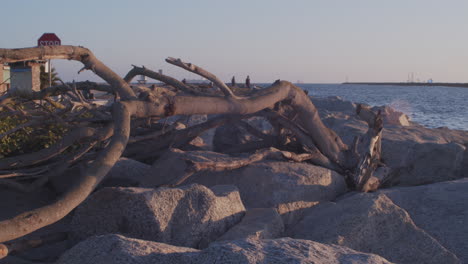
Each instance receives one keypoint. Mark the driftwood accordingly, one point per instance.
(105, 134)
(196, 163)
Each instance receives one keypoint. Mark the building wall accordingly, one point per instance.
(21, 80)
(4, 78)
(25, 77)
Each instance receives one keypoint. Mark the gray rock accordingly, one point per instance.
(260, 123)
(347, 127)
(372, 223)
(440, 209)
(416, 154)
(334, 104)
(257, 223)
(398, 143)
(115, 249)
(189, 216)
(229, 136)
(283, 250)
(428, 163)
(289, 187)
(126, 173)
(391, 116)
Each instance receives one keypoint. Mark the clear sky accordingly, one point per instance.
(319, 41)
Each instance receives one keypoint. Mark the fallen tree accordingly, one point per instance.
(95, 137)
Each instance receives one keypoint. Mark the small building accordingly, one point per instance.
(143, 79)
(25, 76)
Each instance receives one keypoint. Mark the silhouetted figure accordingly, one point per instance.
(247, 81)
(233, 81)
(184, 81)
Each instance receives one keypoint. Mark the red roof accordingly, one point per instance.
(48, 39)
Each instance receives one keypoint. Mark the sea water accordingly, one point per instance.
(431, 106)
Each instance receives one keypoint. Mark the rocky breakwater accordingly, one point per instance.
(272, 211)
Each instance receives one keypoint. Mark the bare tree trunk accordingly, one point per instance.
(330, 150)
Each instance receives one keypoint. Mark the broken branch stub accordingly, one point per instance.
(368, 148)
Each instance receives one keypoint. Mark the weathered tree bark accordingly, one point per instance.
(325, 146)
(369, 150)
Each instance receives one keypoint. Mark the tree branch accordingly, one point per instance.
(157, 76)
(202, 72)
(70, 53)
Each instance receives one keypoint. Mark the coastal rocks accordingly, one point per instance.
(288, 187)
(190, 216)
(334, 104)
(126, 173)
(284, 250)
(391, 116)
(372, 223)
(415, 154)
(260, 123)
(117, 249)
(418, 155)
(229, 136)
(441, 209)
(257, 223)
(398, 142)
(430, 163)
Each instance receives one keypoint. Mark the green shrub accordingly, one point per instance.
(27, 140)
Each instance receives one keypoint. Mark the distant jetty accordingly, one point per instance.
(464, 85)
